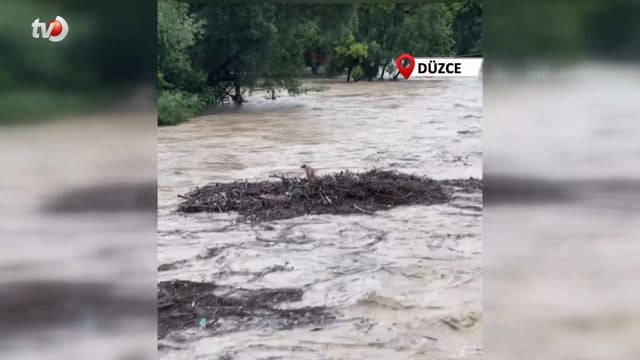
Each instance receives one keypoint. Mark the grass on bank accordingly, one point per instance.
(175, 107)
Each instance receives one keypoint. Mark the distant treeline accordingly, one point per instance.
(271, 45)
(524, 33)
(109, 49)
(113, 44)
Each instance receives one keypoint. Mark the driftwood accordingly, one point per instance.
(342, 193)
(186, 304)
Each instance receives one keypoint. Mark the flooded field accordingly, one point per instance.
(405, 283)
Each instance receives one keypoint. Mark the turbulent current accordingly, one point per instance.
(404, 283)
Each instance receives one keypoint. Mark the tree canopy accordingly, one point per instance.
(203, 46)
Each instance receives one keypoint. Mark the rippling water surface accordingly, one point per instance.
(404, 283)
(560, 274)
(78, 284)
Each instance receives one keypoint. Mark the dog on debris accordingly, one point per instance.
(309, 171)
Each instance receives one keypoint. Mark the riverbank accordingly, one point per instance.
(177, 107)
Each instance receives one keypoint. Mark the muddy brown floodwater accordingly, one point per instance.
(404, 283)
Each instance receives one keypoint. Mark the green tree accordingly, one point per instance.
(426, 31)
(266, 45)
(178, 32)
(378, 24)
(325, 25)
(260, 44)
(179, 84)
(467, 27)
(393, 29)
(350, 53)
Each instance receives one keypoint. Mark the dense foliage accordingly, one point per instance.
(99, 60)
(269, 46)
(556, 32)
(113, 45)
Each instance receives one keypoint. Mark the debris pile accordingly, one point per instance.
(220, 309)
(341, 193)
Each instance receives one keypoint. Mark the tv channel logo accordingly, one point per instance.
(55, 30)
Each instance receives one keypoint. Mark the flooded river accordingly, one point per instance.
(560, 274)
(404, 283)
(79, 283)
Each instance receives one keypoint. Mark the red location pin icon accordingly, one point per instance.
(405, 71)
